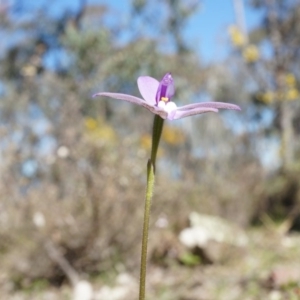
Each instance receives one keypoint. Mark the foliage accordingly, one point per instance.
(270, 61)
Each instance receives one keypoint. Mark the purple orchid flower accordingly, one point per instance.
(157, 98)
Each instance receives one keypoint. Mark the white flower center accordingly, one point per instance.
(167, 107)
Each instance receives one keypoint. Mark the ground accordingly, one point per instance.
(267, 268)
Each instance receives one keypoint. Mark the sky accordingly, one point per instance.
(211, 24)
(207, 30)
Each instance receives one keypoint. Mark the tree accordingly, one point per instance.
(271, 59)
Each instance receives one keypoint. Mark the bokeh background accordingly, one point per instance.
(226, 211)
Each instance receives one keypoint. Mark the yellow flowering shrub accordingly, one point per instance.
(173, 136)
(90, 123)
(267, 97)
(251, 54)
(292, 94)
(290, 80)
(270, 97)
(146, 141)
(98, 129)
(237, 37)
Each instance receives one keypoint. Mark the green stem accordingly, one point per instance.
(149, 194)
(156, 134)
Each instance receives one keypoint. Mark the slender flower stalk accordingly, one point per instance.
(147, 212)
(157, 98)
(156, 134)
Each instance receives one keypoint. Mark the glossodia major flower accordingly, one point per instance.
(157, 98)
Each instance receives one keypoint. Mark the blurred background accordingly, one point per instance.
(226, 211)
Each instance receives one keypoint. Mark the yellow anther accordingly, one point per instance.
(165, 99)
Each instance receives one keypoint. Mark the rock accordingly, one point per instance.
(125, 288)
(212, 238)
(83, 290)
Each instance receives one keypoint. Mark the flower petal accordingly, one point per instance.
(124, 97)
(179, 114)
(216, 105)
(148, 87)
(132, 99)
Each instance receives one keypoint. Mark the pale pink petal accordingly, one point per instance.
(124, 97)
(179, 114)
(217, 105)
(148, 87)
(132, 99)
